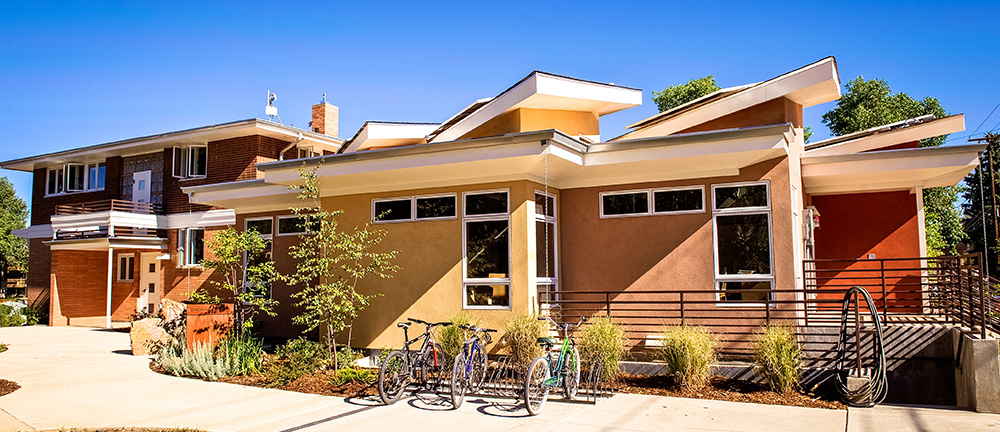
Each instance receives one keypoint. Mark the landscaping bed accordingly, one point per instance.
(720, 388)
(8, 387)
(320, 383)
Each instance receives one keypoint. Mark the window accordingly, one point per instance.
(545, 245)
(126, 267)
(307, 153)
(263, 226)
(664, 201)
(190, 162)
(75, 177)
(190, 246)
(486, 227)
(288, 225)
(429, 207)
(742, 221)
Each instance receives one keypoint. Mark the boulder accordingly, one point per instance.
(146, 332)
(171, 310)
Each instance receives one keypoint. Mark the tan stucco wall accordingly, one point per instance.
(528, 119)
(775, 111)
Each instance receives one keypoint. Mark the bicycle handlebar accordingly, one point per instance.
(583, 319)
(475, 328)
(442, 323)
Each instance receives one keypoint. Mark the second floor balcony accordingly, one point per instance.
(106, 218)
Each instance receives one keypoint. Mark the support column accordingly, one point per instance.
(111, 261)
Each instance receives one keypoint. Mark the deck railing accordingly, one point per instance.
(109, 205)
(945, 290)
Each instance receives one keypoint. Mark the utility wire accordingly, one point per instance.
(987, 118)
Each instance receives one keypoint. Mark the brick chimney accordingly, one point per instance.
(325, 118)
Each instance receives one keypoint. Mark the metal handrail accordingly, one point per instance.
(106, 205)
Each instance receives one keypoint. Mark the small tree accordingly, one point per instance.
(331, 264)
(13, 213)
(246, 276)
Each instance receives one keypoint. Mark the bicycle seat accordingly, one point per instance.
(404, 325)
(548, 341)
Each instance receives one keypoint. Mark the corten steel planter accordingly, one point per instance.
(208, 323)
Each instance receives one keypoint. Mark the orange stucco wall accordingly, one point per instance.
(775, 111)
(527, 119)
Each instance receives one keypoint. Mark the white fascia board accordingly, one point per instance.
(769, 144)
(494, 108)
(889, 170)
(34, 231)
(358, 140)
(916, 132)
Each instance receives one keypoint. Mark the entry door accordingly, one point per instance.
(149, 283)
(140, 186)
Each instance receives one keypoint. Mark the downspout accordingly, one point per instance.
(111, 253)
(281, 155)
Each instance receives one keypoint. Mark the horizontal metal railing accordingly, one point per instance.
(104, 231)
(109, 205)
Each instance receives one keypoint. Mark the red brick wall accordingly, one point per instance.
(228, 160)
(79, 288)
(39, 263)
(177, 282)
(43, 207)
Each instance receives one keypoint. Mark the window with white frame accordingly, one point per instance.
(126, 268)
(293, 225)
(265, 229)
(190, 246)
(190, 162)
(75, 177)
(741, 216)
(661, 201)
(545, 245)
(486, 233)
(428, 207)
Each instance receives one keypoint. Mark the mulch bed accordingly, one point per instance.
(8, 387)
(720, 388)
(318, 383)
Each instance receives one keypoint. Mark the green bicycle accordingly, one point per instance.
(548, 371)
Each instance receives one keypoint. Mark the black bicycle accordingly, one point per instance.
(403, 367)
(469, 371)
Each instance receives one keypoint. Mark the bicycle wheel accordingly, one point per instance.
(393, 377)
(535, 389)
(432, 367)
(571, 382)
(478, 374)
(459, 380)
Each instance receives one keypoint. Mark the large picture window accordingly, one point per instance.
(743, 253)
(75, 177)
(190, 246)
(486, 226)
(190, 162)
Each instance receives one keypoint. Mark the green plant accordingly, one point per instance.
(689, 353)
(245, 350)
(331, 263)
(32, 315)
(383, 353)
(602, 341)
(201, 296)
(778, 357)
(199, 362)
(346, 375)
(680, 94)
(296, 358)
(10, 317)
(3, 347)
(346, 357)
(452, 337)
(240, 257)
(520, 339)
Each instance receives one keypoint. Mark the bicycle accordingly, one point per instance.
(403, 366)
(546, 372)
(469, 371)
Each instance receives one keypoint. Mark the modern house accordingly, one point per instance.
(517, 203)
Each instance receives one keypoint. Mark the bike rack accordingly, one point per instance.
(504, 380)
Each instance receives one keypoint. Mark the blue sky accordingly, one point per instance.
(82, 74)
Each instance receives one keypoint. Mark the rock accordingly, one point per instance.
(171, 310)
(146, 332)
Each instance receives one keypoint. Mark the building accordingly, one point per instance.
(515, 204)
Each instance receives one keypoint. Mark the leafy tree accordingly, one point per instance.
(680, 94)
(331, 264)
(979, 227)
(870, 103)
(13, 214)
(241, 257)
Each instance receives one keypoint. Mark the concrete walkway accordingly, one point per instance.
(75, 377)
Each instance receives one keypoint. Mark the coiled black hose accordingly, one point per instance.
(874, 391)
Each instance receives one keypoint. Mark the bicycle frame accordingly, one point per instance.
(409, 353)
(468, 354)
(557, 368)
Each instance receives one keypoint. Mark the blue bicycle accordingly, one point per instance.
(469, 372)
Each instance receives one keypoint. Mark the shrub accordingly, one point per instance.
(346, 357)
(3, 347)
(778, 358)
(10, 317)
(346, 375)
(452, 337)
(520, 338)
(32, 315)
(689, 353)
(603, 342)
(245, 350)
(199, 362)
(296, 358)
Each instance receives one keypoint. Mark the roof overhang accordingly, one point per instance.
(807, 86)
(201, 135)
(906, 169)
(888, 135)
(541, 90)
(524, 156)
(389, 134)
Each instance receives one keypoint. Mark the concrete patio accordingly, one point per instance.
(79, 377)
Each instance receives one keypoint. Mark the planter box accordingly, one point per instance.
(208, 323)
